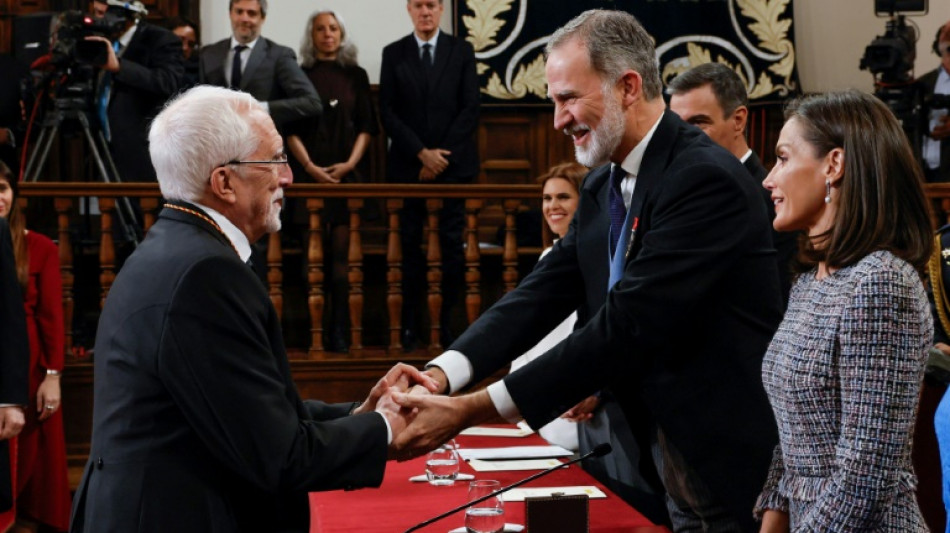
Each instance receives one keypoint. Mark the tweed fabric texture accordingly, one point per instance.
(843, 374)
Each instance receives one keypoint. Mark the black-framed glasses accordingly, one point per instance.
(283, 161)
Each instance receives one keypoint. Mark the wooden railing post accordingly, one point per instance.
(63, 206)
(394, 275)
(275, 276)
(510, 256)
(473, 293)
(355, 277)
(106, 248)
(149, 207)
(315, 299)
(434, 273)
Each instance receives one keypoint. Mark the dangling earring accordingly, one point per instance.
(827, 191)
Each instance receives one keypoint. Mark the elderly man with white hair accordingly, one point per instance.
(197, 424)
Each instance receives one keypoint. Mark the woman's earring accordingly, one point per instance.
(827, 191)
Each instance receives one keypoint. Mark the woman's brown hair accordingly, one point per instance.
(17, 225)
(573, 172)
(881, 204)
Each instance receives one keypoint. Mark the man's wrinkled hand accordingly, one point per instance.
(583, 411)
(434, 159)
(399, 378)
(436, 419)
(12, 420)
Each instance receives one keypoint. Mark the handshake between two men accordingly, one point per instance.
(420, 416)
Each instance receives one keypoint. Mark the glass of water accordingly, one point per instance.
(487, 516)
(442, 464)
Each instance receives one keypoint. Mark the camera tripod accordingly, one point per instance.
(75, 109)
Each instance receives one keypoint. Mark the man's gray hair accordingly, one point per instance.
(726, 85)
(615, 42)
(197, 132)
(262, 3)
(346, 56)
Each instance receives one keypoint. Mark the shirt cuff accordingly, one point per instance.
(505, 406)
(389, 429)
(457, 368)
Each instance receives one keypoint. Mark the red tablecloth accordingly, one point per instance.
(399, 503)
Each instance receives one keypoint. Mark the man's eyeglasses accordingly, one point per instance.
(282, 161)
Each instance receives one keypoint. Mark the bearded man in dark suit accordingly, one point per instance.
(197, 424)
(672, 236)
(428, 102)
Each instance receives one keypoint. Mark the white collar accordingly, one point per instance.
(746, 157)
(237, 237)
(126, 37)
(631, 163)
(432, 41)
(250, 45)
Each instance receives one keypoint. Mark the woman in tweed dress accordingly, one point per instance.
(844, 369)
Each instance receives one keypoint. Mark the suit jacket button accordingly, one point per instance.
(99, 463)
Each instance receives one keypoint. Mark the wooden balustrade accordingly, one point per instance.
(510, 199)
(111, 198)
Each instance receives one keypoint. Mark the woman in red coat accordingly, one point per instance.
(42, 486)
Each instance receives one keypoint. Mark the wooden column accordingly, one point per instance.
(510, 255)
(106, 248)
(355, 277)
(149, 208)
(275, 276)
(434, 273)
(63, 207)
(315, 299)
(473, 294)
(394, 275)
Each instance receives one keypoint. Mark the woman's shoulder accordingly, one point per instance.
(39, 241)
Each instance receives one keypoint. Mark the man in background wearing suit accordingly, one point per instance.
(670, 235)
(714, 98)
(266, 70)
(428, 100)
(14, 361)
(197, 423)
(136, 80)
(935, 146)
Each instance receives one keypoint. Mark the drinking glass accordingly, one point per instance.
(442, 464)
(487, 516)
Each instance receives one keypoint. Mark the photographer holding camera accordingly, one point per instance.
(142, 70)
(936, 89)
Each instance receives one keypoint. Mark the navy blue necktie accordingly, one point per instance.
(427, 57)
(618, 211)
(236, 66)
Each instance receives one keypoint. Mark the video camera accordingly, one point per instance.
(70, 45)
(890, 57)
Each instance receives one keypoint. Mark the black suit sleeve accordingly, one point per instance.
(696, 234)
(463, 126)
(299, 98)
(14, 347)
(400, 132)
(164, 70)
(221, 368)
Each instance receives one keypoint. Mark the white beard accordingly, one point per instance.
(605, 138)
(272, 224)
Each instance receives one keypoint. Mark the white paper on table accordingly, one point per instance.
(482, 431)
(518, 495)
(523, 464)
(514, 452)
